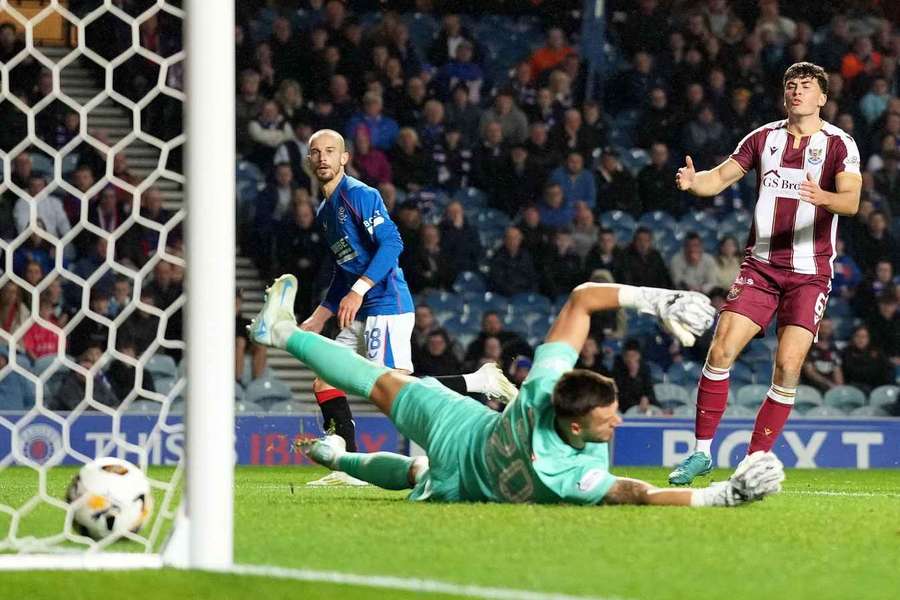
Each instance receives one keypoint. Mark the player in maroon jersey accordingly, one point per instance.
(807, 175)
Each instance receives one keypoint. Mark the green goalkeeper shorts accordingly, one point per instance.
(453, 430)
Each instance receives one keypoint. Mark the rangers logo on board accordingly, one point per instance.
(40, 443)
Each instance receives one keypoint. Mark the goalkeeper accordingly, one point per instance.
(549, 445)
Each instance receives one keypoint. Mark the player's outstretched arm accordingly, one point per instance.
(707, 183)
(685, 315)
(759, 475)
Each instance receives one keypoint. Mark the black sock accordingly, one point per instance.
(336, 413)
(457, 383)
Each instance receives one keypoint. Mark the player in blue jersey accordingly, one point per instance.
(548, 446)
(368, 292)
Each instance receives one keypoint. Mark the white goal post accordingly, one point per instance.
(202, 535)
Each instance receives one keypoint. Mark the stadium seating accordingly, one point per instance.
(635, 411)
(286, 407)
(884, 395)
(144, 407)
(657, 219)
(670, 393)
(42, 363)
(738, 411)
(657, 375)
(825, 411)
(685, 410)
(445, 302)
(845, 397)
(751, 395)
(162, 366)
(267, 391)
(869, 411)
(684, 373)
(807, 398)
(741, 374)
(531, 302)
(244, 406)
(469, 281)
(238, 392)
(488, 301)
(462, 323)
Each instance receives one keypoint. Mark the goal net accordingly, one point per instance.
(101, 355)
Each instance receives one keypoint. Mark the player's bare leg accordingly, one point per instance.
(733, 332)
(793, 344)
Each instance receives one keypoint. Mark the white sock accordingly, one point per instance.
(704, 446)
(476, 382)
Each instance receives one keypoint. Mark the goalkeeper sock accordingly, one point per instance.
(337, 365)
(336, 414)
(712, 396)
(771, 418)
(384, 469)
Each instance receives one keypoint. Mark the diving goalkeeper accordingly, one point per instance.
(548, 446)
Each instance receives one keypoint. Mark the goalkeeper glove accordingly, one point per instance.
(685, 315)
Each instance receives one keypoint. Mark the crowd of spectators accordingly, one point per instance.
(501, 162)
(501, 165)
(71, 264)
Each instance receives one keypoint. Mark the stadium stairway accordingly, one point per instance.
(77, 81)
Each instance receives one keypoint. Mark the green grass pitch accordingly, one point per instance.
(831, 534)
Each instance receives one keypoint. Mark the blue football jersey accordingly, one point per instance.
(363, 241)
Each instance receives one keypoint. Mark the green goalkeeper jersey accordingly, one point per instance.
(525, 459)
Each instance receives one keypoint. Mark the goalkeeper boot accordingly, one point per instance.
(693, 466)
(276, 321)
(327, 451)
(496, 385)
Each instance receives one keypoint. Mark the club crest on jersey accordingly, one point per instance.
(815, 156)
(342, 214)
(734, 292)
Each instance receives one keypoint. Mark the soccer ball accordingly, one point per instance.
(110, 496)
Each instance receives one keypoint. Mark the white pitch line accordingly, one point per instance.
(845, 494)
(409, 584)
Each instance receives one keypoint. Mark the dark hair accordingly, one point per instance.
(642, 229)
(580, 391)
(691, 235)
(807, 69)
(606, 231)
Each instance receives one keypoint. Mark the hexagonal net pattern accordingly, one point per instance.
(91, 302)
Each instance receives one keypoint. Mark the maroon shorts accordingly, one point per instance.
(761, 290)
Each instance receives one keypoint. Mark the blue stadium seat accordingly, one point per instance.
(517, 324)
(472, 198)
(146, 407)
(751, 395)
(737, 221)
(884, 395)
(824, 411)
(41, 364)
(869, 411)
(445, 301)
(699, 222)
(838, 308)
(243, 406)
(667, 392)
(617, 219)
(684, 411)
(738, 411)
(468, 281)
(41, 163)
(491, 218)
(657, 375)
(762, 372)
(488, 301)
(266, 391)
(640, 325)
(635, 411)
(684, 373)
(807, 396)
(464, 323)
(657, 219)
(532, 302)
(741, 374)
(238, 392)
(164, 385)
(286, 407)
(634, 160)
(162, 365)
(845, 397)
